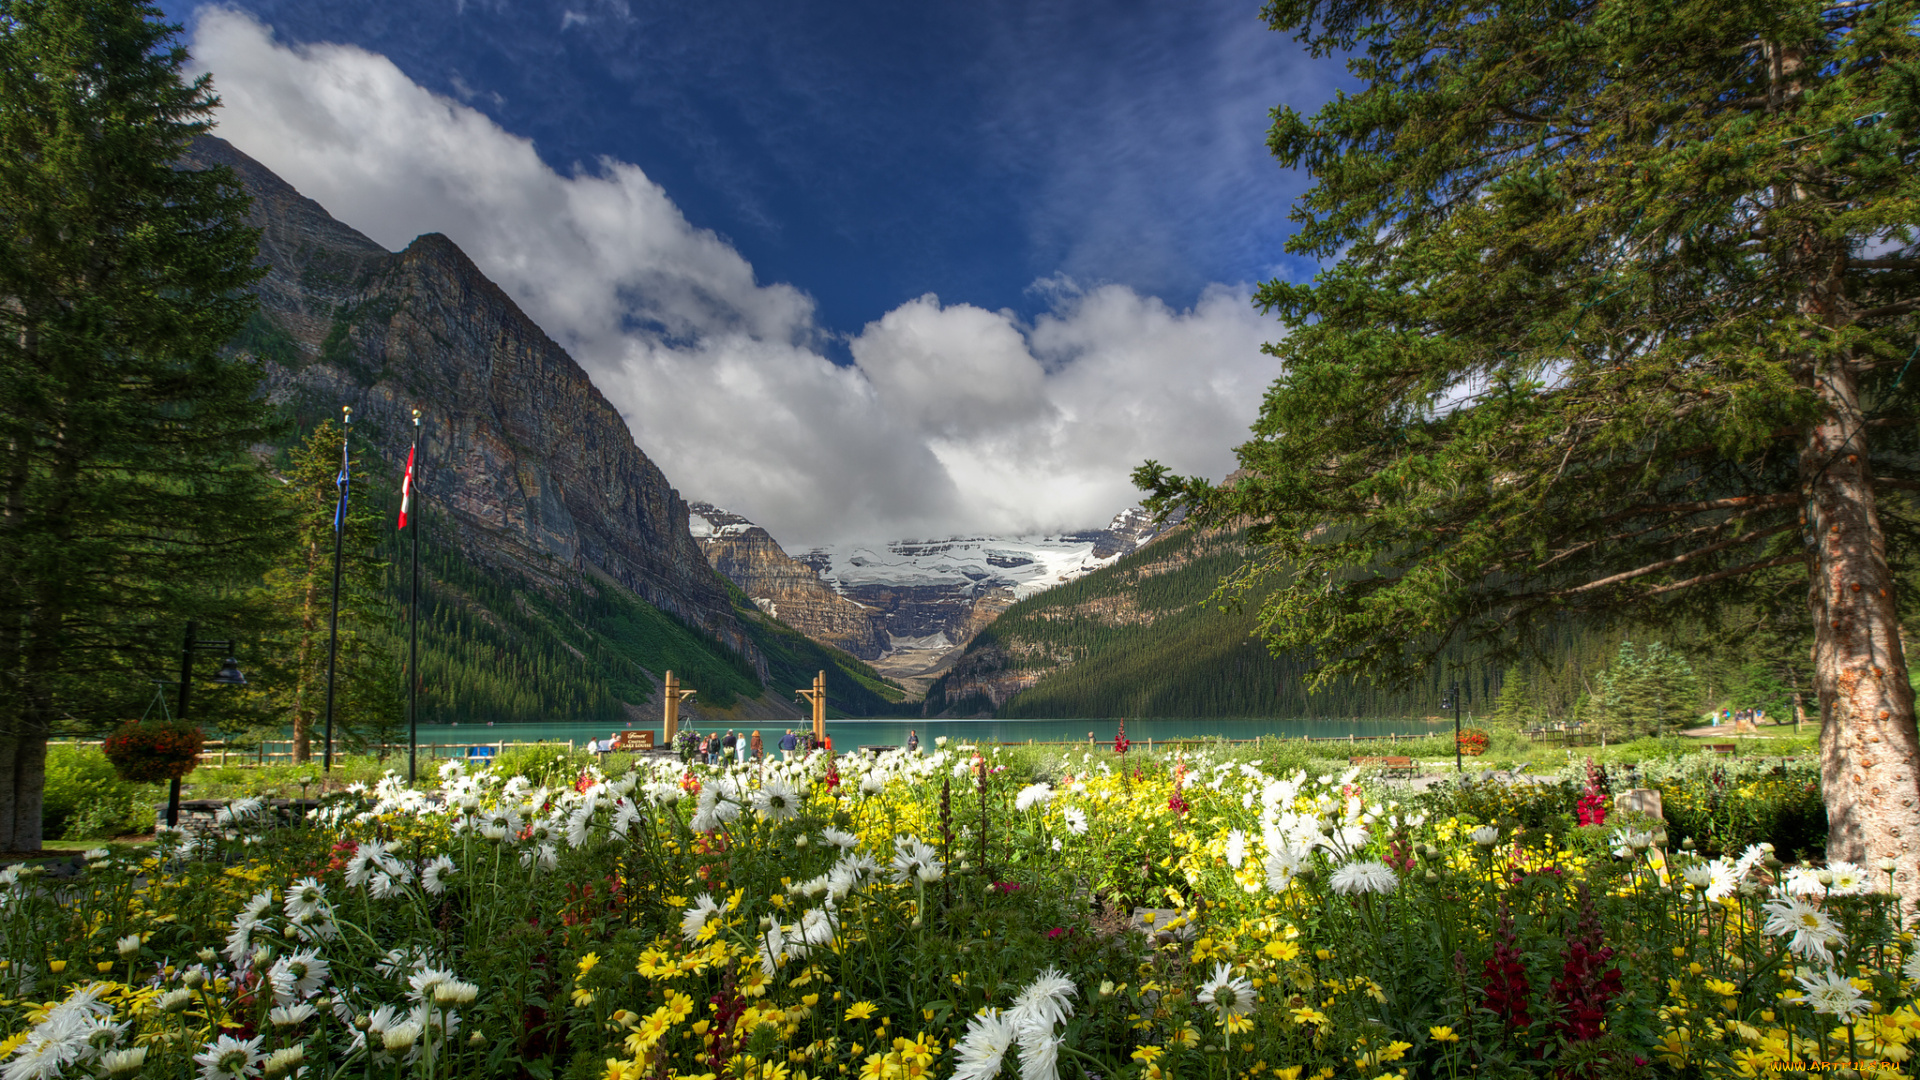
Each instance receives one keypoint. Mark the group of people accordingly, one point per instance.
(714, 748)
(1739, 717)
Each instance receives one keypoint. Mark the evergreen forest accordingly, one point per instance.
(1147, 636)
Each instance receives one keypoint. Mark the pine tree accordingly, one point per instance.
(299, 589)
(1619, 327)
(125, 491)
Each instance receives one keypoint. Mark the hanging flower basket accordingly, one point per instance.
(1473, 742)
(149, 753)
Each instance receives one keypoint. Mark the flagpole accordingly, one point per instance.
(333, 620)
(413, 609)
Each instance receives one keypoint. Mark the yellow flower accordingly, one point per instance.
(56, 966)
(586, 963)
(1282, 950)
(1305, 1015)
(753, 982)
(1148, 1054)
(1443, 1034)
(860, 1010)
(582, 997)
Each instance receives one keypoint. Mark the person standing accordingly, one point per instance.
(726, 746)
(758, 748)
(740, 749)
(787, 743)
(913, 741)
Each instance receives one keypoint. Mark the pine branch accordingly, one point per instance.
(1677, 560)
(1731, 571)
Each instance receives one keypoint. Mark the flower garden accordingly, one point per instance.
(955, 914)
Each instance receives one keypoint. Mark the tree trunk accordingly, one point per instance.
(23, 787)
(309, 624)
(1868, 744)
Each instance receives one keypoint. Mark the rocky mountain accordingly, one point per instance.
(930, 589)
(533, 472)
(784, 587)
(908, 607)
(1143, 636)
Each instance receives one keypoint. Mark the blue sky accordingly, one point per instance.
(966, 209)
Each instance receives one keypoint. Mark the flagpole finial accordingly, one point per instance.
(416, 418)
(347, 410)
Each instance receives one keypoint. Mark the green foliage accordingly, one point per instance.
(546, 764)
(130, 499)
(296, 597)
(1581, 332)
(121, 277)
(86, 799)
(1647, 691)
(1724, 806)
(853, 688)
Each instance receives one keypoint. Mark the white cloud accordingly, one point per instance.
(953, 419)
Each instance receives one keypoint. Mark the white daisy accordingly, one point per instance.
(915, 860)
(306, 898)
(777, 800)
(1228, 995)
(1076, 820)
(694, 919)
(845, 841)
(1236, 848)
(981, 1050)
(817, 927)
(290, 1015)
(1033, 795)
(1485, 835)
(1813, 933)
(1039, 1052)
(1849, 880)
(228, 1058)
(438, 870)
(1833, 994)
(1046, 1001)
(1363, 877)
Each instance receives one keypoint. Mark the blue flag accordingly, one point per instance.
(342, 481)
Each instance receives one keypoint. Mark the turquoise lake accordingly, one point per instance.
(848, 734)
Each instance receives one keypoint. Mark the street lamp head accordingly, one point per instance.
(230, 674)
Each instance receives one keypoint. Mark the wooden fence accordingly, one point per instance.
(215, 755)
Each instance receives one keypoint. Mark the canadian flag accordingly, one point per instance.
(406, 489)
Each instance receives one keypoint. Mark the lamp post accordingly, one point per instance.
(229, 676)
(1452, 701)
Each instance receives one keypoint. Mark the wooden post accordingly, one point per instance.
(817, 698)
(670, 716)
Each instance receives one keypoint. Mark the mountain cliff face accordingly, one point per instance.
(938, 593)
(910, 606)
(783, 587)
(536, 470)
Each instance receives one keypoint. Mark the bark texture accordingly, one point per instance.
(1868, 743)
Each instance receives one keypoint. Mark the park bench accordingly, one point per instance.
(1392, 766)
(1723, 747)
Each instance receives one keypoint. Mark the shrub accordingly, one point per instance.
(85, 798)
(545, 764)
